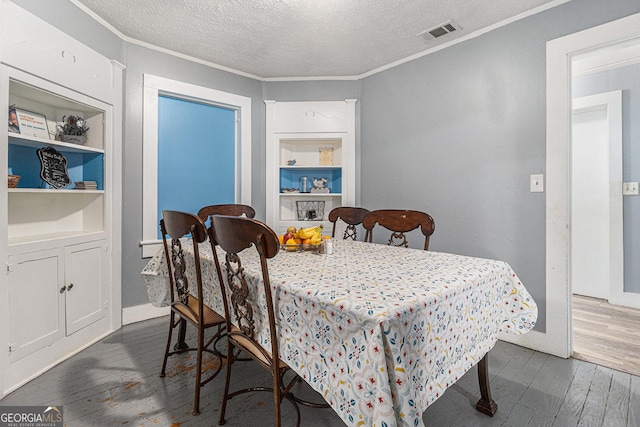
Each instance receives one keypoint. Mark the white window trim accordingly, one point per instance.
(155, 86)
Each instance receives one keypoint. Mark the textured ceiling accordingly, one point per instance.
(301, 38)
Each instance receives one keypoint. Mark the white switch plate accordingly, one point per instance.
(537, 183)
(630, 189)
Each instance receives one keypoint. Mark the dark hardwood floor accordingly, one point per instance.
(115, 383)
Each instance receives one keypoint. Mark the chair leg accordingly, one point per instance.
(166, 352)
(276, 405)
(225, 396)
(196, 399)
(277, 394)
(181, 344)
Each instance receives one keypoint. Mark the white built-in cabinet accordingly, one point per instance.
(61, 247)
(65, 290)
(307, 141)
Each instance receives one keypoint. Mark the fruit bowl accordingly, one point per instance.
(300, 247)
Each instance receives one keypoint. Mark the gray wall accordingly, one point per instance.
(456, 133)
(626, 79)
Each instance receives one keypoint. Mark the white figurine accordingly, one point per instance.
(319, 182)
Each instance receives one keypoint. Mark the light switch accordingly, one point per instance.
(537, 183)
(630, 189)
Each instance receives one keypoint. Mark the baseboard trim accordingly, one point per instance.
(142, 312)
(533, 339)
(626, 299)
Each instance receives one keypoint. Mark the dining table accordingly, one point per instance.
(379, 331)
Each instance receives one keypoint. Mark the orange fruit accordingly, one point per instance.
(281, 239)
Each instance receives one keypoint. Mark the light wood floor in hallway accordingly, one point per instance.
(606, 334)
(115, 383)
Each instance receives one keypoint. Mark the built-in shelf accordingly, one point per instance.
(319, 137)
(316, 167)
(34, 142)
(52, 191)
(52, 237)
(61, 249)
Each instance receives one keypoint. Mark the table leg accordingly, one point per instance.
(486, 405)
(182, 331)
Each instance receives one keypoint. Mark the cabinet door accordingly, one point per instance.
(36, 304)
(84, 281)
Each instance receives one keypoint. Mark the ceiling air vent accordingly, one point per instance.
(439, 31)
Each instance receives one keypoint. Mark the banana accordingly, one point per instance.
(306, 233)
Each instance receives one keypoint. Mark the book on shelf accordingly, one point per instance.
(86, 185)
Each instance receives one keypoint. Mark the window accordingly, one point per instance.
(196, 149)
(173, 154)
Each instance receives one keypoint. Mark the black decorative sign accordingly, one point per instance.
(53, 167)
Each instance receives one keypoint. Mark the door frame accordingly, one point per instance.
(557, 338)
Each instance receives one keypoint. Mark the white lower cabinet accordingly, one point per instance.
(36, 307)
(54, 293)
(84, 281)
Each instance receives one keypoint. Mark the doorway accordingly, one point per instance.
(602, 333)
(596, 196)
(557, 340)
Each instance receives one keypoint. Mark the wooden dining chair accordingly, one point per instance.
(175, 227)
(399, 222)
(226, 209)
(236, 236)
(352, 216)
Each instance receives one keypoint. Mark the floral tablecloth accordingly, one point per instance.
(381, 332)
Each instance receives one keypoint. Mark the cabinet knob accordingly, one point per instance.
(70, 286)
(62, 289)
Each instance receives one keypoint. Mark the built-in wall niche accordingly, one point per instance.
(81, 164)
(292, 177)
(68, 213)
(309, 141)
(61, 246)
(306, 152)
(55, 107)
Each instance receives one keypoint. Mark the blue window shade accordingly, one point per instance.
(196, 155)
